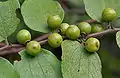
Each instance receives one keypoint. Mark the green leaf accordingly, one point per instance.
(7, 70)
(118, 38)
(45, 65)
(12, 38)
(8, 19)
(78, 63)
(94, 8)
(113, 4)
(95, 11)
(116, 23)
(36, 12)
(1, 39)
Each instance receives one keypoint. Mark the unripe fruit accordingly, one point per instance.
(84, 27)
(63, 28)
(23, 36)
(73, 32)
(55, 40)
(97, 28)
(92, 44)
(33, 48)
(54, 21)
(109, 14)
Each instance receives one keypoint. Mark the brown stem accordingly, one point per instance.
(91, 21)
(2, 45)
(43, 37)
(15, 48)
(43, 42)
(103, 32)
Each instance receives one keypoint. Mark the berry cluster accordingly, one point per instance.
(72, 32)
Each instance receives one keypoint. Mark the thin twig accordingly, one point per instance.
(103, 32)
(2, 45)
(11, 49)
(91, 21)
(43, 37)
(15, 48)
(43, 42)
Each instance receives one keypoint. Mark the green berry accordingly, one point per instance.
(92, 44)
(84, 27)
(73, 32)
(55, 40)
(109, 14)
(54, 21)
(97, 28)
(23, 36)
(33, 48)
(63, 28)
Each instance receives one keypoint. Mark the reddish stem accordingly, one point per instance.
(2, 45)
(99, 34)
(15, 48)
(45, 36)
